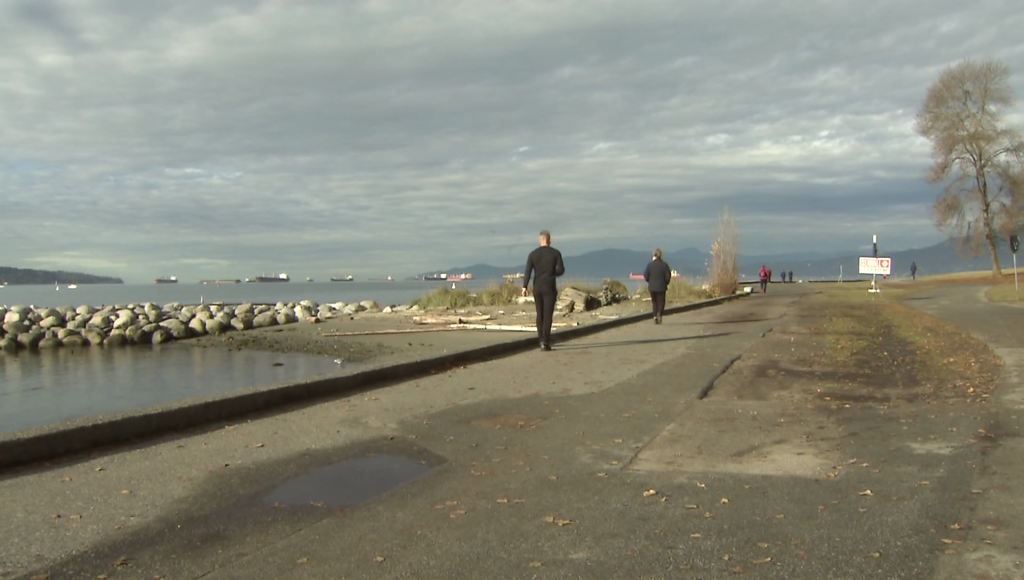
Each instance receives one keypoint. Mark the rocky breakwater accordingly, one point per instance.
(25, 327)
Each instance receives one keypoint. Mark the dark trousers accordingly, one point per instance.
(764, 286)
(658, 303)
(544, 301)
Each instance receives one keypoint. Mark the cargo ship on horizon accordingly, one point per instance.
(167, 280)
(348, 278)
(282, 277)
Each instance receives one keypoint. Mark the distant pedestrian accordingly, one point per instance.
(658, 275)
(769, 275)
(913, 270)
(790, 276)
(546, 262)
(762, 275)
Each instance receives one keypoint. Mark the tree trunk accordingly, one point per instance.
(997, 271)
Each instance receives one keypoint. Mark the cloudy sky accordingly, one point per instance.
(227, 139)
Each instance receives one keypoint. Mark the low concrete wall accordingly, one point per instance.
(42, 443)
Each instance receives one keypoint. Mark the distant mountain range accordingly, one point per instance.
(692, 263)
(14, 276)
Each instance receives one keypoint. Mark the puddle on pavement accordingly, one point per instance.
(348, 483)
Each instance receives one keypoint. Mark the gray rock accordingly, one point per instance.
(140, 336)
(241, 323)
(52, 321)
(33, 317)
(286, 317)
(261, 309)
(303, 313)
(15, 327)
(184, 317)
(265, 319)
(243, 309)
(387, 310)
(20, 308)
(176, 328)
(353, 308)
(160, 336)
(198, 326)
(8, 344)
(370, 305)
(123, 322)
(280, 306)
(65, 311)
(75, 340)
(85, 310)
(116, 338)
(48, 312)
(66, 332)
(30, 340)
(216, 326)
(311, 304)
(204, 315)
(189, 311)
(93, 336)
(78, 323)
(50, 342)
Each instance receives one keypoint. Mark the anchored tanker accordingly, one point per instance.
(282, 277)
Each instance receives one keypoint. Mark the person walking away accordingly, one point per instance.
(913, 270)
(790, 276)
(658, 275)
(762, 274)
(546, 264)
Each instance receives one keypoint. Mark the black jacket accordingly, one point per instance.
(547, 263)
(658, 275)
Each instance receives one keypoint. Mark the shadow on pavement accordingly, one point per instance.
(632, 342)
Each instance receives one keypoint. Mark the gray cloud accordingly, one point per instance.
(382, 138)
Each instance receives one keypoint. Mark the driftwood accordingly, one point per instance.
(449, 319)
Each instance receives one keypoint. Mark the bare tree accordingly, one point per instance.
(974, 153)
(722, 266)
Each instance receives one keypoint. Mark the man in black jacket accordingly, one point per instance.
(658, 275)
(546, 262)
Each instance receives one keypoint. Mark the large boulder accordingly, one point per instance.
(303, 312)
(8, 344)
(244, 309)
(30, 340)
(161, 335)
(85, 310)
(216, 326)
(286, 317)
(198, 326)
(17, 327)
(66, 332)
(78, 323)
(261, 309)
(265, 319)
(123, 322)
(50, 342)
(370, 305)
(13, 316)
(75, 340)
(176, 328)
(142, 335)
(93, 336)
(311, 304)
(241, 322)
(353, 308)
(51, 321)
(116, 338)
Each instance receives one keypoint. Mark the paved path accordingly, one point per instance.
(596, 460)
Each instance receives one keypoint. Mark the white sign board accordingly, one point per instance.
(880, 266)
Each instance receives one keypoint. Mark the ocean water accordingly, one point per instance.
(48, 387)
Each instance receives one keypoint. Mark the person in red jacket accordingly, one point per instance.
(763, 275)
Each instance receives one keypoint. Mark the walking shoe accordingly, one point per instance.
(545, 346)
(658, 320)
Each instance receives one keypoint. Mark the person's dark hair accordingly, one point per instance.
(546, 235)
(657, 253)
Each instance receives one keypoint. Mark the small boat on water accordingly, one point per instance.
(632, 276)
(167, 280)
(348, 278)
(72, 286)
(282, 277)
(219, 282)
(308, 279)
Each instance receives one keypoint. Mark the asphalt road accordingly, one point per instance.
(596, 460)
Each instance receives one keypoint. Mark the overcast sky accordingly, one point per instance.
(228, 139)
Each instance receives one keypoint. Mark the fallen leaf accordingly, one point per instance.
(65, 479)
(724, 500)
(701, 485)
(122, 561)
(780, 516)
(876, 554)
(616, 440)
(457, 513)
(42, 576)
(650, 492)
(763, 544)
(866, 492)
(302, 560)
(762, 560)
(690, 506)
(536, 564)
(924, 483)
(125, 491)
(379, 559)
(258, 445)
(602, 474)
(976, 491)
(947, 541)
(737, 570)
(98, 469)
(502, 500)
(956, 527)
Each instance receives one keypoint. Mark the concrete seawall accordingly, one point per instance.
(52, 441)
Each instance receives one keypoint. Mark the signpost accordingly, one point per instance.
(875, 265)
(1015, 245)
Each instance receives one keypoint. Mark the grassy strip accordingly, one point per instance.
(679, 292)
(494, 295)
(1002, 293)
(884, 343)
